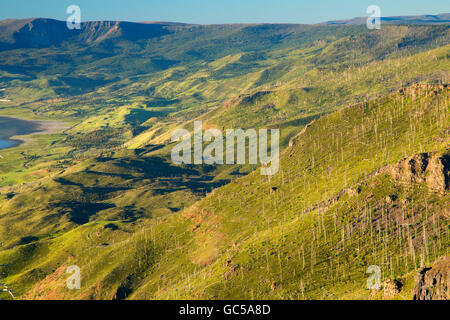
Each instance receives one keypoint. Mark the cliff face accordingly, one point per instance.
(42, 33)
(428, 168)
(431, 283)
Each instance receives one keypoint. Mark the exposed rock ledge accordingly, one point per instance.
(432, 283)
(429, 168)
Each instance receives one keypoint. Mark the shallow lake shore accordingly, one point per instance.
(12, 129)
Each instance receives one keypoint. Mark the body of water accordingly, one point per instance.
(11, 127)
(7, 144)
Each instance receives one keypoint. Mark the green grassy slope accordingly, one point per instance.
(199, 66)
(296, 242)
(103, 194)
(284, 83)
(341, 203)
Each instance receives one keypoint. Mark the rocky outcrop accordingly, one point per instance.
(391, 288)
(431, 283)
(429, 168)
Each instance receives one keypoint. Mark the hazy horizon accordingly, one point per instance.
(187, 23)
(214, 12)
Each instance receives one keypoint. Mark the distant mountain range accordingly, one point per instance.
(442, 18)
(44, 32)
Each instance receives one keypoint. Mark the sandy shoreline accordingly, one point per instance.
(14, 131)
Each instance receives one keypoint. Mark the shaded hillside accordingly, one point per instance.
(44, 54)
(335, 211)
(367, 185)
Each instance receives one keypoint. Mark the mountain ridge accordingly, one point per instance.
(415, 19)
(441, 18)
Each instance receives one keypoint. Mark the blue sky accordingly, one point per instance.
(218, 11)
